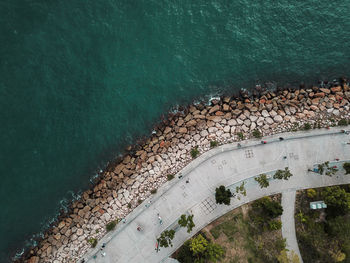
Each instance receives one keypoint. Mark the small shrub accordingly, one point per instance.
(275, 225)
(262, 180)
(111, 225)
(139, 201)
(213, 144)
(307, 126)
(346, 166)
(257, 134)
(153, 191)
(342, 122)
(170, 177)
(194, 152)
(240, 135)
(129, 205)
(97, 231)
(93, 242)
(166, 237)
(311, 193)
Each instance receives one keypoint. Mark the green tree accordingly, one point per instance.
(337, 200)
(223, 195)
(269, 207)
(204, 250)
(311, 193)
(166, 237)
(262, 180)
(187, 222)
(346, 167)
(283, 174)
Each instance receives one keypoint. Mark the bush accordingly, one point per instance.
(342, 122)
(170, 177)
(166, 237)
(311, 193)
(129, 205)
(111, 225)
(307, 126)
(187, 222)
(240, 135)
(139, 201)
(275, 225)
(213, 144)
(93, 242)
(346, 167)
(153, 191)
(194, 152)
(269, 207)
(223, 196)
(257, 134)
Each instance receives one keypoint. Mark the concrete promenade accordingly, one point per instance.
(225, 165)
(288, 222)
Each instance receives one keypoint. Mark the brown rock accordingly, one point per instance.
(327, 91)
(219, 113)
(225, 107)
(183, 130)
(191, 123)
(33, 259)
(167, 130)
(320, 94)
(214, 109)
(336, 89)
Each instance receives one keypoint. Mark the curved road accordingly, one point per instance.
(226, 165)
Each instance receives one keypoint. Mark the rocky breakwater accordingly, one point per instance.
(146, 166)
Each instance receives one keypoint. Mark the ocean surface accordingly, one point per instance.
(80, 79)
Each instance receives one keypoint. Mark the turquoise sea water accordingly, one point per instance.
(79, 79)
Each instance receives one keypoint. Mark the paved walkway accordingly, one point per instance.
(226, 165)
(288, 223)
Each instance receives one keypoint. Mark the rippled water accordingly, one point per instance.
(80, 79)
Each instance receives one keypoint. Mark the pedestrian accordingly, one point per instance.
(180, 176)
(123, 220)
(263, 142)
(103, 245)
(187, 181)
(103, 254)
(281, 138)
(138, 228)
(148, 204)
(160, 219)
(284, 157)
(239, 145)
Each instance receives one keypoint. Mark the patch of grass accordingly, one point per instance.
(93, 242)
(342, 122)
(213, 144)
(257, 134)
(170, 177)
(240, 135)
(111, 225)
(229, 228)
(153, 191)
(194, 152)
(307, 126)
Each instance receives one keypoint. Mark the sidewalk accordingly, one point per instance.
(226, 165)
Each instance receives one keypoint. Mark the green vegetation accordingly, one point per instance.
(247, 234)
(241, 190)
(139, 201)
(311, 193)
(268, 208)
(213, 144)
(111, 225)
(240, 135)
(342, 122)
(257, 134)
(166, 237)
(284, 257)
(170, 177)
(324, 237)
(93, 242)
(187, 222)
(153, 191)
(283, 174)
(199, 249)
(223, 195)
(194, 152)
(324, 167)
(346, 167)
(129, 205)
(262, 180)
(307, 126)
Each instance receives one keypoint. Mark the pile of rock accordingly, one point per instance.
(168, 150)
